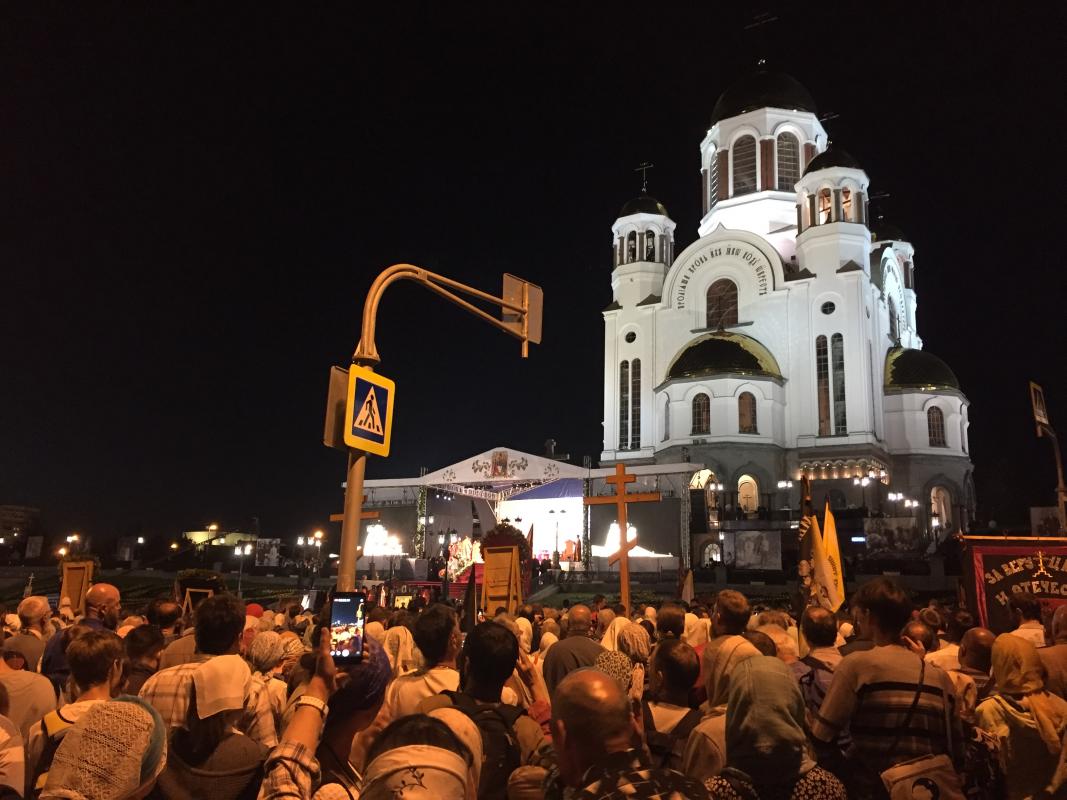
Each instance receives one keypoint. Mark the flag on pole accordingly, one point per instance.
(470, 604)
(826, 563)
(529, 540)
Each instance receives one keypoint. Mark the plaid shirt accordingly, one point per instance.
(168, 693)
(291, 772)
(630, 776)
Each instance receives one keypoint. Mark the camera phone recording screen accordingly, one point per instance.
(346, 627)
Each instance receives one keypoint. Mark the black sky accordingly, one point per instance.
(193, 202)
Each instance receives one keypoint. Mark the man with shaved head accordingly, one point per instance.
(594, 733)
(102, 603)
(971, 679)
(575, 651)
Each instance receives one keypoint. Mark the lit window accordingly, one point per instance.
(826, 207)
(744, 165)
(846, 205)
(935, 426)
(788, 162)
(837, 347)
(822, 382)
(722, 304)
(631, 247)
(635, 404)
(713, 180)
(624, 404)
(701, 414)
(746, 413)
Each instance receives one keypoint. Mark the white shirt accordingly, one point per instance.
(947, 657)
(1033, 631)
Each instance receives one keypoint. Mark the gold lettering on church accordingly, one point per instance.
(752, 258)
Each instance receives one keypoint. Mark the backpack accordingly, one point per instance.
(500, 746)
(662, 745)
(54, 728)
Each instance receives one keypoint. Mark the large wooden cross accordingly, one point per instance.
(621, 499)
(362, 514)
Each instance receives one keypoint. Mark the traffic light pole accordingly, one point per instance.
(520, 306)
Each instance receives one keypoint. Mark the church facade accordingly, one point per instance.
(783, 342)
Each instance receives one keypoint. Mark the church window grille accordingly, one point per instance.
(713, 181)
(722, 304)
(826, 206)
(822, 381)
(635, 404)
(788, 162)
(837, 348)
(935, 426)
(746, 413)
(701, 414)
(744, 165)
(631, 247)
(624, 404)
(894, 322)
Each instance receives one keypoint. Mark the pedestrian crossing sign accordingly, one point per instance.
(369, 411)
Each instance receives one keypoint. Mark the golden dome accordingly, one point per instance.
(724, 353)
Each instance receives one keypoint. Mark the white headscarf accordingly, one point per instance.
(611, 635)
(525, 634)
(696, 632)
(414, 772)
(401, 651)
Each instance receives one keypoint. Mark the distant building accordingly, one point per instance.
(23, 520)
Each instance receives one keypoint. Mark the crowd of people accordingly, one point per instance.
(714, 699)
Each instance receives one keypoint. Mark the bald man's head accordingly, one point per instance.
(102, 603)
(976, 649)
(579, 620)
(590, 718)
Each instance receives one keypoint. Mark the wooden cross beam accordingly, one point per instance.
(362, 514)
(621, 499)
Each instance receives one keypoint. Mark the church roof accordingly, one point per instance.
(832, 157)
(643, 204)
(762, 89)
(882, 231)
(917, 370)
(724, 353)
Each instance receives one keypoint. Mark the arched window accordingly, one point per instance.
(701, 414)
(940, 510)
(788, 162)
(746, 413)
(748, 494)
(744, 171)
(935, 426)
(894, 322)
(846, 205)
(650, 245)
(624, 404)
(667, 419)
(722, 304)
(826, 207)
(713, 180)
(635, 404)
(837, 353)
(631, 247)
(822, 384)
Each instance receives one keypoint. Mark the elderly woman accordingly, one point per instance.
(1027, 721)
(401, 651)
(766, 746)
(604, 618)
(265, 654)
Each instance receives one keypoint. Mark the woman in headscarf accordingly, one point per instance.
(547, 640)
(633, 642)
(696, 632)
(1027, 721)
(265, 654)
(525, 634)
(417, 757)
(767, 748)
(401, 651)
(611, 635)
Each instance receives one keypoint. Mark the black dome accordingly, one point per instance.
(882, 231)
(762, 89)
(724, 353)
(917, 370)
(832, 157)
(643, 204)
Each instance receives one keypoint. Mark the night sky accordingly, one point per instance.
(193, 203)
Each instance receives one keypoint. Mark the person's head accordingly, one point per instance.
(491, 651)
(634, 642)
(1059, 625)
(34, 613)
(931, 618)
(1024, 607)
(785, 647)
(731, 613)
(220, 620)
(649, 627)
(144, 644)
(674, 670)
(617, 665)
(882, 609)
(417, 745)
(976, 649)
(721, 656)
(359, 698)
(818, 626)
(127, 735)
(165, 613)
(1017, 668)
(265, 651)
(773, 617)
(96, 659)
(579, 620)
(590, 719)
(437, 634)
(598, 602)
(670, 622)
(958, 623)
(921, 633)
(762, 642)
(102, 602)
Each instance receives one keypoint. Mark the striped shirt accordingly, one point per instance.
(870, 697)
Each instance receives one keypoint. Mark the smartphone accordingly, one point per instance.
(346, 628)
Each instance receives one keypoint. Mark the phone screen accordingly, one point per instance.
(346, 628)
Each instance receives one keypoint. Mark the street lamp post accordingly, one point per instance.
(243, 549)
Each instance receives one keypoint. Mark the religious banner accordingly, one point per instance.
(77, 578)
(502, 582)
(1010, 566)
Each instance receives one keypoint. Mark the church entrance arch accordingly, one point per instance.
(712, 555)
(706, 481)
(748, 494)
(940, 511)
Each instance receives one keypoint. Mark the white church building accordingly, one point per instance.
(783, 342)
